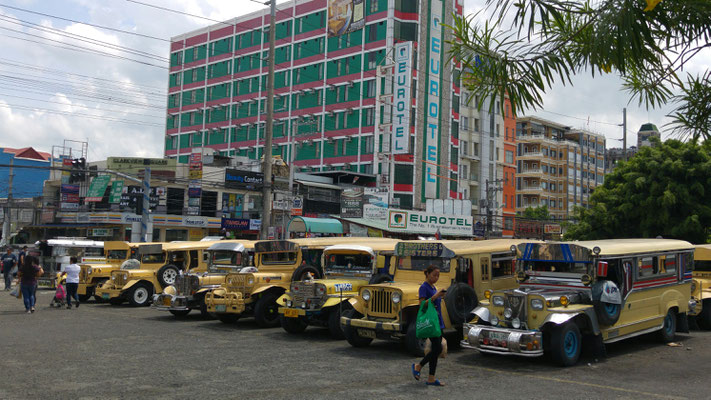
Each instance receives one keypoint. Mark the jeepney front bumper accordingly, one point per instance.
(168, 302)
(373, 329)
(230, 303)
(109, 292)
(496, 340)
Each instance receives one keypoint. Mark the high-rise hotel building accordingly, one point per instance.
(328, 56)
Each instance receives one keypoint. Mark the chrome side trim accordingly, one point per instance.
(630, 335)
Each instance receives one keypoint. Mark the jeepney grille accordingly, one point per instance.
(517, 304)
(83, 274)
(381, 303)
(306, 291)
(120, 280)
(237, 283)
(185, 284)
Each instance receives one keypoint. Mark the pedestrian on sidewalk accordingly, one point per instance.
(72, 272)
(27, 276)
(429, 291)
(9, 261)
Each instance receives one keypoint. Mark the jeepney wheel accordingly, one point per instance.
(266, 311)
(293, 325)
(566, 343)
(334, 322)
(351, 333)
(203, 310)
(140, 295)
(180, 313)
(460, 300)
(668, 330)
(115, 301)
(227, 318)
(415, 345)
(300, 273)
(607, 313)
(167, 274)
(704, 318)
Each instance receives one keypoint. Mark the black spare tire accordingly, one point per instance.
(380, 278)
(167, 274)
(607, 313)
(460, 300)
(300, 272)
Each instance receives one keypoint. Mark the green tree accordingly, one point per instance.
(540, 212)
(530, 45)
(664, 190)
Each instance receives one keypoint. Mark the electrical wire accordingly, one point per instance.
(89, 116)
(82, 106)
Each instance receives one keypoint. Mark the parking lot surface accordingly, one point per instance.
(104, 351)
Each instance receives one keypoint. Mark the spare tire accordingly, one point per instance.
(460, 300)
(380, 278)
(607, 313)
(167, 274)
(300, 272)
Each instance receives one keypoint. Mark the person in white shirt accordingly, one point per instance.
(72, 273)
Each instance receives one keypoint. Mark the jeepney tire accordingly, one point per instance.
(300, 272)
(293, 325)
(84, 297)
(167, 273)
(668, 331)
(607, 313)
(180, 313)
(351, 334)
(704, 317)
(226, 318)
(132, 295)
(203, 310)
(380, 278)
(334, 321)
(566, 344)
(266, 310)
(415, 345)
(460, 300)
(115, 301)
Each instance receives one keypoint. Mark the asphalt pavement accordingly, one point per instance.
(104, 351)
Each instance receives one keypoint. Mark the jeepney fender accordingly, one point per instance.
(483, 313)
(204, 290)
(334, 301)
(264, 289)
(130, 283)
(561, 318)
(357, 304)
(282, 300)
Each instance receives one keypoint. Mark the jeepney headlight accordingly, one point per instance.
(487, 294)
(498, 301)
(320, 290)
(366, 295)
(113, 277)
(516, 323)
(494, 320)
(303, 305)
(289, 303)
(88, 272)
(508, 313)
(250, 281)
(396, 297)
(537, 304)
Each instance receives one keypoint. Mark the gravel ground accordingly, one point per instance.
(103, 351)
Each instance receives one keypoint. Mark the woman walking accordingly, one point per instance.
(27, 275)
(429, 291)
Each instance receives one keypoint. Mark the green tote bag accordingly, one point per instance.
(427, 323)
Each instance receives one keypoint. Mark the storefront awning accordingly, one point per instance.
(315, 225)
(319, 185)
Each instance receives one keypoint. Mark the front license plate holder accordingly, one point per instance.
(105, 296)
(366, 333)
(291, 313)
(220, 308)
(495, 335)
(166, 301)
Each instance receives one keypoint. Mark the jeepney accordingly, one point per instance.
(278, 263)
(346, 268)
(159, 266)
(701, 286)
(467, 269)
(62, 250)
(92, 274)
(188, 291)
(608, 289)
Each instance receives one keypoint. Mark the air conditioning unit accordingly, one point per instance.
(385, 179)
(348, 139)
(350, 111)
(350, 84)
(331, 113)
(347, 166)
(330, 140)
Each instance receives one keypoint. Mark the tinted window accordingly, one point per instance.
(555, 266)
(348, 263)
(153, 258)
(279, 258)
(116, 254)
(704, 266)
(502, 267)
(421, 263)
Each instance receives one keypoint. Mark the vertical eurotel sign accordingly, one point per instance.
(432, 101)
(402, 98)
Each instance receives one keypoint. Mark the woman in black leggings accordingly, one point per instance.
(429, 291)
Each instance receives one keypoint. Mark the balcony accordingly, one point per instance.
(531, 189)
(531, 155)
(472, 157)
(529, 172)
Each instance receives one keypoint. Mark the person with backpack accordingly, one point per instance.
(428, 291)
(27, 276)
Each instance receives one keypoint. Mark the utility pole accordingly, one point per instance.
(146, 214)
(491, 187)
(8, 208)
(624, 134)
(267, 169)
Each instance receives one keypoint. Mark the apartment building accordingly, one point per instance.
(558, 166)
(328, 54)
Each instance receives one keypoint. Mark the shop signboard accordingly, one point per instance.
(97, 188)
(102, 232)
(345, 16)
(134, 165)
(195, 166)
(255, 224)
(297, 206)
(552, 229)
(352, 203)
(236, 179)
(435, 89)
(422, 222)
(66, 166)
(235, 224)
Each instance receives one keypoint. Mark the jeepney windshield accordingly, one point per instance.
(421, 263)
(555, 267)
(703, 266)
(225, 260)
(153, 258)
(116, 254)
(348, 263)
(282, 257)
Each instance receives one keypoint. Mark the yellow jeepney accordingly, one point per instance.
(189, 290)
(346, 268)
(278, 262)
(92, 275)
(701, 286)
(159, 266)
(608, 289)
(467, 269)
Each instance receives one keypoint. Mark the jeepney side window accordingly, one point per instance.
(463, 266)
(116, 254)
(312, 257)
(687, 261)
(281, 257)
(667, 264)
(194, 259)
(647, 267)
(485, 269)
(502, 267)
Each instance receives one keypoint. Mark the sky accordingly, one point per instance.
(118, 105)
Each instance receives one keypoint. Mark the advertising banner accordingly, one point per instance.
(102, 232)
(66, 165)
(402, 98)
(98, 188)
(423, 222)
(195, 166)
(345, 16)
(116, 191)
(236, 179)
(352, 203)
(235, 224)
(297, 207)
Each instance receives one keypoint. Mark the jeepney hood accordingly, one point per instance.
(410, 291)
(138, 273)
(212, 279)
(99, 270)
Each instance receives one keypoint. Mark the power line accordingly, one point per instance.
(85, 23)
(81, 106)
(178, 12)
(73, 114)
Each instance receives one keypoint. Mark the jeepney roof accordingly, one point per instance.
(323, 242)
(177, 246)
(349, 247)
(460, 247)
(120, 245)
(703, 252)
(611, 247)
(232, 245)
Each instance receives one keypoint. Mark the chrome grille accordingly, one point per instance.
(305, 291)
(83, 274)
(381, 303)
(185, 284)
(236, 283)
(120, 280)
(517, 304)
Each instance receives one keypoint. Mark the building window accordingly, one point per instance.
(509, 157)
(475, 149)
(465, 148)
(491, 150)
(464, 123)
(370, 116)
(476, 124)
(373, 6)
(465, 171)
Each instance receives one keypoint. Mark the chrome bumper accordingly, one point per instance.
(231, 303)
(168, 302)
(495, 340)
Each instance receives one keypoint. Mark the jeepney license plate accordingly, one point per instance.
(166, 301)
(291, 313)
(493, 335)
(220, 308)
(105, 296)
(366, 333)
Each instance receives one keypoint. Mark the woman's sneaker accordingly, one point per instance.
(69, 306)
